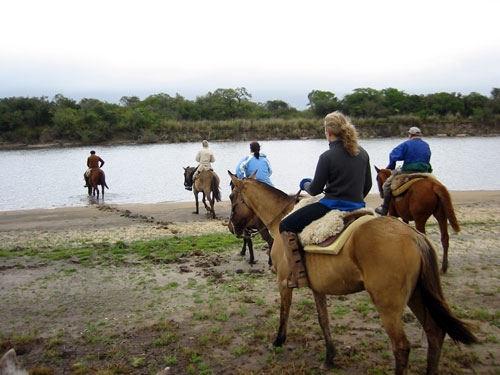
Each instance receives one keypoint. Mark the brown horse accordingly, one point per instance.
(96, 178)
(424, 198)
(207, 183)
(256, 226)
(394, 263)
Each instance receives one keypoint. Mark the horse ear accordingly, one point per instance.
(253, 175)
(234, 178)
(376, 169)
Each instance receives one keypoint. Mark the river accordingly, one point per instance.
(53, 177)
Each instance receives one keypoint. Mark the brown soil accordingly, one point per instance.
(220, 312)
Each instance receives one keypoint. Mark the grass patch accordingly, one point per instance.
(105, 253)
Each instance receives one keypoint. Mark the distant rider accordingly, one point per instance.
(205, 157)
(416, 156)
(256, 162)
(93, 161)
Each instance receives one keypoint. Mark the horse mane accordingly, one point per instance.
(280, 193)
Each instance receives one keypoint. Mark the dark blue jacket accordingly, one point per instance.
(415, 154)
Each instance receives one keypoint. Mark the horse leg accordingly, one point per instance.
(391, 320)
(250, 250)
(211, 200)
(325, 327)
(286, 301)
(204, 200)
(390, 302)
(445, 241)
(196, 201)
(212, 205)
(244, 247)
(435, 335)
(266, 236)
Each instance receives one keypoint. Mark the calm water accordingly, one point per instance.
(51, 178)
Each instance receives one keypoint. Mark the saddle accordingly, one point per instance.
(328, 234)
(402, 182)
(200, 169)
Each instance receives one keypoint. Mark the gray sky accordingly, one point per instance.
(106, 49)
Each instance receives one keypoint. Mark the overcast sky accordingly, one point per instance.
(106, 49)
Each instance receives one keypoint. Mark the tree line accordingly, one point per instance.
(230, 114)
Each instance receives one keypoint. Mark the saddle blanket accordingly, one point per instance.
(339, 242)
(327, 234)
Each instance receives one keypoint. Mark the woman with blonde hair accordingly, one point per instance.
(343, 174)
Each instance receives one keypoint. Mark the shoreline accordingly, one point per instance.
(102, 214)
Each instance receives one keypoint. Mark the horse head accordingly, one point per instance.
(187, 172)
(382, 176)
(241, 215)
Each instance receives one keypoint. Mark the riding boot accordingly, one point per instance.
(298, 275)
(384, 208)
(86, 181)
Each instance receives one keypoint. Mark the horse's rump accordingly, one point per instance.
(98, 177)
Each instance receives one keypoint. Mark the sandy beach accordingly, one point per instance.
(137, 221)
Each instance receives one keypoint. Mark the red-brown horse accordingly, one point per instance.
(424, 198)
(96, 178)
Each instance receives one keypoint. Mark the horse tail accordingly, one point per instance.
(445, 199)
(103, 179)
(432, 293)
(215, 189)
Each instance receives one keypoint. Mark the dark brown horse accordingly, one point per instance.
(97, 178)
(424, 198)
(393, 262)
(256, 226)
(207, 183)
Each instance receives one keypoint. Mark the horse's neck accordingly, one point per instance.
(269, 207)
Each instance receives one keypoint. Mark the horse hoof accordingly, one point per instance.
(326, 365)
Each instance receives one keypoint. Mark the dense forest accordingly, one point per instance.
(230, 114)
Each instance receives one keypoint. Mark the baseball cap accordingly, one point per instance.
(414, 131)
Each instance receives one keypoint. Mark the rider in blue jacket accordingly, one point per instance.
(257, 161)
(415, 154)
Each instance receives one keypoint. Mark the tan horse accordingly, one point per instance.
(207, 183)
(97, 178)
(424, 198)
(394, 263)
